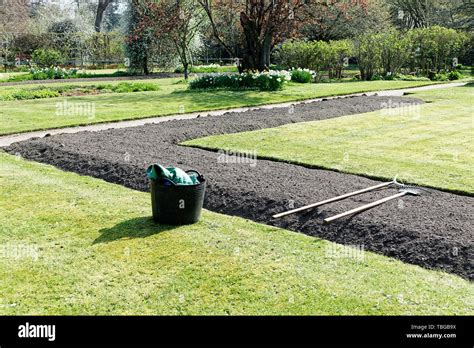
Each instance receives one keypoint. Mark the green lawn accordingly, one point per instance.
(172, 98)
(4, 76)
(65, 249)
(430, 145)
(100, 71)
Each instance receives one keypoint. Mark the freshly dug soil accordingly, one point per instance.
(433, 230)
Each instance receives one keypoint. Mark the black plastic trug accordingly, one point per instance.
(177, 204)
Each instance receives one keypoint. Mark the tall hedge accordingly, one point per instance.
(420, 51)
(337, 52)
(315, 55)
(434, 48)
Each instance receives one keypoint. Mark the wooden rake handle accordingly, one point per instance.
(365, 207)
(330, 200)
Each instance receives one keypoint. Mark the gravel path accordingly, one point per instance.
(433, 230)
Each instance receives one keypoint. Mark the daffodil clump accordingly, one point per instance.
(52, 73)
(264, 81)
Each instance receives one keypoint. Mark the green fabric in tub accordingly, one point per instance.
(175, 175)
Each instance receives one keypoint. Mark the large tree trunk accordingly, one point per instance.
(265, 52)
(145, 64)
(257, 50)
(186, 70)
(101, 7)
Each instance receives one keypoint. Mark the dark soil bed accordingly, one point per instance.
(432, 230)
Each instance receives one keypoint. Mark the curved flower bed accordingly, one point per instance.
(264, 81)
(52, 73)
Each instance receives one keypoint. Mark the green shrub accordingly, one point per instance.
(440, 77)
(435, 47)
(305, 55)
(410, 78)
(294, 54)
(421, 49)
(19, 78)
(39, 75)
(455, 75)
(277, 67)
(376, 77)
(266, 81)
(336, 52)
(368, 54)
(207, 69)
(46, 57)
(58, 91)
(302, 75)
(128, 87)
(316, 55)
(25, 94)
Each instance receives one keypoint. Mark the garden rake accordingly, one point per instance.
(404, 190)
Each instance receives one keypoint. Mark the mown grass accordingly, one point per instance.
(27, 76)
(76, 245)
(5, 76)
(43, 92)
(430, 144)
(171, 98)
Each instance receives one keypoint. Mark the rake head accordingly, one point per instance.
(410, 191)
(413, 190)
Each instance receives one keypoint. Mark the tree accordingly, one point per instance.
(368, 53)
(112, 16)
(14, 18)
(338, 51)
(26, 43)
(101, 7)
(395, 50)
(456, 14)
(105, 47)
(341, 20)
(434, 48)
(264, 23)
(46, 57)
(65, 38)
(412, 13)
(150, 22)
(188, 20)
